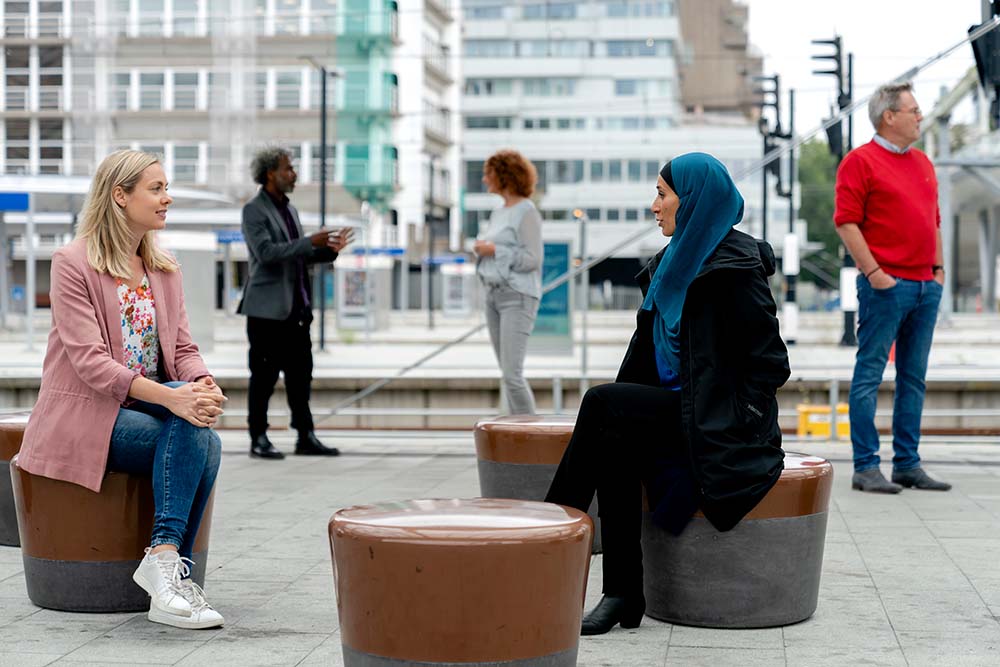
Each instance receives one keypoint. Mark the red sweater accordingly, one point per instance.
(892, 197)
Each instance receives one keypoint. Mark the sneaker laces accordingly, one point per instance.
(195, 595)
(174, 570)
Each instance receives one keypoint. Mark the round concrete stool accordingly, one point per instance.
(80, 548)
(11, 433)
(762, 573)
(470, 582)
(518, 456)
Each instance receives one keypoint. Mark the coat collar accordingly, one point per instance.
(273, 214)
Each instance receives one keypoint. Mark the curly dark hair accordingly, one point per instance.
(513, 172)
(265, 160)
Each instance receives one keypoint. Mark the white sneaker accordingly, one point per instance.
(202, 615)
(160, 575)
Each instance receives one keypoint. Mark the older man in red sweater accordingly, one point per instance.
(887, 214)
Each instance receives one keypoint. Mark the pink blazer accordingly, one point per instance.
(84, 378)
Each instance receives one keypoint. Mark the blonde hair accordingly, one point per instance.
(104, 225)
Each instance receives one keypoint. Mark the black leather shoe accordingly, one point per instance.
(612, 610)
(262, 448)
(918, 479)
(309, 445)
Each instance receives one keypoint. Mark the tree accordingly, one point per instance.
(817, 174)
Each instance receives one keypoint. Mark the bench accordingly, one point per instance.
(80, 548)
(476, 582)
(518, 456)
(764, 572)
(11, 433)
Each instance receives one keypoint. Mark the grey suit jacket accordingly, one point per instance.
(270, 289)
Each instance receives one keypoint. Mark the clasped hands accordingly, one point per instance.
(484, 248)
(334, 240)
(199, 402)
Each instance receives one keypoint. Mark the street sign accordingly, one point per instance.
(228, 236)
(14, 201)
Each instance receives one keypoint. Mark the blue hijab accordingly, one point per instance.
(710, 206)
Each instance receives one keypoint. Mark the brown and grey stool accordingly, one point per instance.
(11, 433)
(470, 582)
(80, 548)
(764, 572)
(518, 456)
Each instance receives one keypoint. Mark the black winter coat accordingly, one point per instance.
(732, 362)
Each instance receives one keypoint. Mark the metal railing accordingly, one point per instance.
(17, 98)
(21, 26)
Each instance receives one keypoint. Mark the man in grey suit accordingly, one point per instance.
(277, 301)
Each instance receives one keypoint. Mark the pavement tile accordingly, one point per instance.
(623, 647)
(768, 638)
(8, 659)
(723, 657)
(939, 611)
(239, 647)
(136, 650)
(846, 653)
(328, 654)
(958, 649)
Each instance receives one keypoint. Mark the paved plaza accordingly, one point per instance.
(907, 580)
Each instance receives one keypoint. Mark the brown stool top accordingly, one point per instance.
(524, 438)
(804, 488)
(461, 522)
(60, 520)
(12, 427)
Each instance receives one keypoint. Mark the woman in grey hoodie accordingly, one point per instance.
(509, 265)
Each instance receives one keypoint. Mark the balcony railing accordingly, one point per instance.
(17, 99)
(287, 96)
(46, 25)
(366, 98)
(438, 121)
(185, 97)
(150, 98)
(50, 98)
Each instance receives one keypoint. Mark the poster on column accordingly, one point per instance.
(553, 332)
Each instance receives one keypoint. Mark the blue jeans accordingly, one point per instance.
(183, 460)
(906, 314)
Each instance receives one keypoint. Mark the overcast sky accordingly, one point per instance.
(887, 37)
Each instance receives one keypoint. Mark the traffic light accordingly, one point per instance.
(835, 139)
(986, 49)
(835, 133)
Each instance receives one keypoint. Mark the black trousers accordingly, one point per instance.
(279, 346)
(622, 438)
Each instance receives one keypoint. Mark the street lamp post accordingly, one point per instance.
(323, 74)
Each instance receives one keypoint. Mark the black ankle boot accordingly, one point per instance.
(611, 610)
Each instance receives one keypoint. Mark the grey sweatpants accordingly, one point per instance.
(510, 317)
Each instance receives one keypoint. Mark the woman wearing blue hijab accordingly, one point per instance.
(692, 414)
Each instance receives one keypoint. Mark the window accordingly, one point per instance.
(218, 89)
(490, 12)
(186, 163)
(636, 8)
(260, 89)
(548, 87)
(567, 171)
(488, 122)
(626, 87)
(560, 48)
(554, 10)
(615, 171)
(652, 170)
(185, 90)
(631, 215)
(286, 17)
(474, 176)
(634, 171)
(562, 123)
(151, 90)
(593, 214)
(635, 48)
(614, 215)
(288, 90)
(488, 87)
(18, 146)
(120, 90)
(489, 48)
(596, 172)
(150, 17)
(185, 17)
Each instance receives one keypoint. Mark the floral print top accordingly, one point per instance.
(139, 337)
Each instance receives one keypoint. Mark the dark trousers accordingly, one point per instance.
(279, 346)
(621, 440)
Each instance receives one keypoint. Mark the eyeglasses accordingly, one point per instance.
(915, 111)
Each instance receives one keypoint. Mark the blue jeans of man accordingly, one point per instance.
(906, 314)
(183, 460)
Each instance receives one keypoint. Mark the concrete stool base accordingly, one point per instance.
(75, 586)
(765, 572)
(11, 433)
(518, 457)
(354, 658)
(80, 548)
(725, 580)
